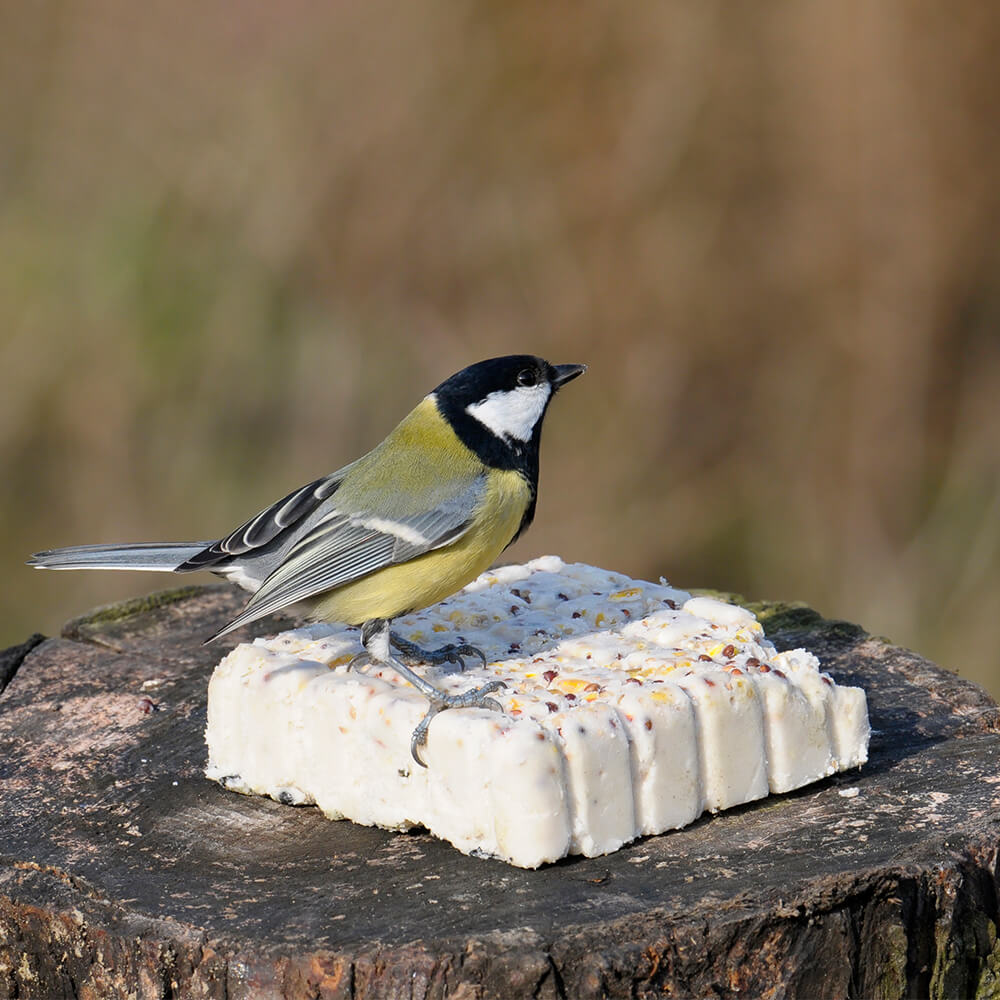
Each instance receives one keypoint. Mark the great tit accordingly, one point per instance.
(403, 527)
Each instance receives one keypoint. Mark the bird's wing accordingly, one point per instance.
(273, 522)
(345, 546)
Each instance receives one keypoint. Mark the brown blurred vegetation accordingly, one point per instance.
(238, 242)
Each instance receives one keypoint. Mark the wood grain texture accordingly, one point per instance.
(124, 872)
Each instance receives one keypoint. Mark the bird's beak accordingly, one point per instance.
(566, 373)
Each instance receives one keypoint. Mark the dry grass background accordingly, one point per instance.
(237, 243)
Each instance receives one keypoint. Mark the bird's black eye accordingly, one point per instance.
(527, 377)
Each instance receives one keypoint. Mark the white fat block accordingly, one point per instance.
(846, 709)
(460, 778)
(851, 729)
(598, 774)
(629, 709)
(532, 819)
(356, 733)
(795, 729)
(261, 697)
(663, 746)
(730, 738)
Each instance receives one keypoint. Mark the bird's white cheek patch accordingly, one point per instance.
(629, 709)
(514, 413)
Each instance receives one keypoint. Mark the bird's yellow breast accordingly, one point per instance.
(433, 576)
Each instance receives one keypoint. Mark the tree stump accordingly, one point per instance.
(124, 872)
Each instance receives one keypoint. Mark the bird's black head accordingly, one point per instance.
(496, 407)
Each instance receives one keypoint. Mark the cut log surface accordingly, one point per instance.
(125, 872)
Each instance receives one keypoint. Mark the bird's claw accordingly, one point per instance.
(477, 698)
(456, 652)
(361, 659)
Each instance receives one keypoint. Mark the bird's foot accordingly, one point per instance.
(476, 698)
(452, 653)
(376, 638)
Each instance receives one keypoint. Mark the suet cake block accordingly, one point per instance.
(631, 708)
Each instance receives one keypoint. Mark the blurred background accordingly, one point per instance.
(239, 242)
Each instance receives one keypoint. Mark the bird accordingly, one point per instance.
(401, 528)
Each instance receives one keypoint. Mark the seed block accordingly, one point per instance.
(631, 708)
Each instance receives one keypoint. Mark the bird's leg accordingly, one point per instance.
(452, 653)
(376, 638)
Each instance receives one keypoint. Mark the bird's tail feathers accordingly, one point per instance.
(162, 557)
